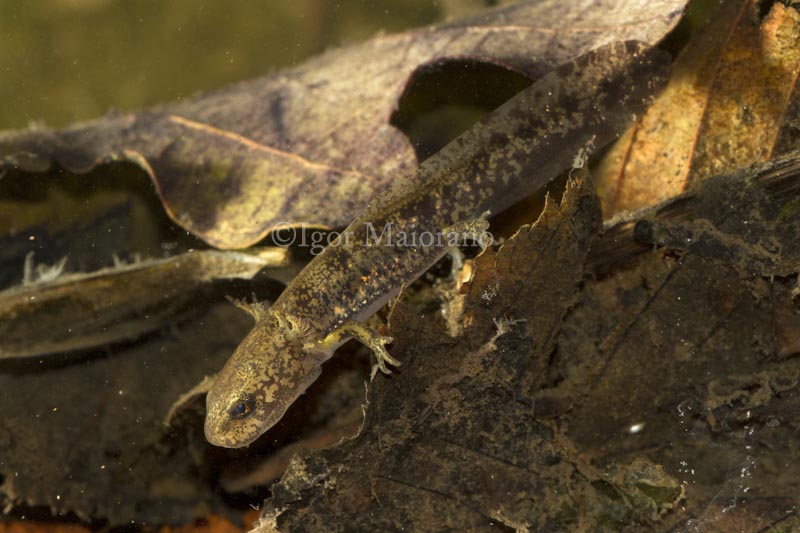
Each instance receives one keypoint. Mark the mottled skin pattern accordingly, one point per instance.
(512, 152)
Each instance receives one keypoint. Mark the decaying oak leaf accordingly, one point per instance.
(68, 312)
(313, 144)
(454, 439)
(85, 436)
(744, 514)
(733, 100)
(679, 355)
(759, 240)
(638, 399)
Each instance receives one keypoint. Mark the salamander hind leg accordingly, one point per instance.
(476, 229)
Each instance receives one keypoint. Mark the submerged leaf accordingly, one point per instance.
(450, 440)
(313, 144)
(729, 103)
(639, 399)
(68, 312)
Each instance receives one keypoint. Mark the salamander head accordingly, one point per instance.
(264, 376)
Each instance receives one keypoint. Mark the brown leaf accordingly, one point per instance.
(87, 437)
(75, 311)
(750, 514)
(757, 75)
(450, 440)
(640, 399)
(213, 524)
(728, 104)
(43, 527)
(313, 144)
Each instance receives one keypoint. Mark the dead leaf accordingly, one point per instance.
(313, 144)
(581, 404)
(682, 365)
(451, 440)
(43, 527)
(745, 514)
(214, 524)
(76, 311)
(730, 103)
(743, 124)
(87, 437)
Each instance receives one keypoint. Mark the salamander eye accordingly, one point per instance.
(242, 407)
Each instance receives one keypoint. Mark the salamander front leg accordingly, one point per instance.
(369, 338)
